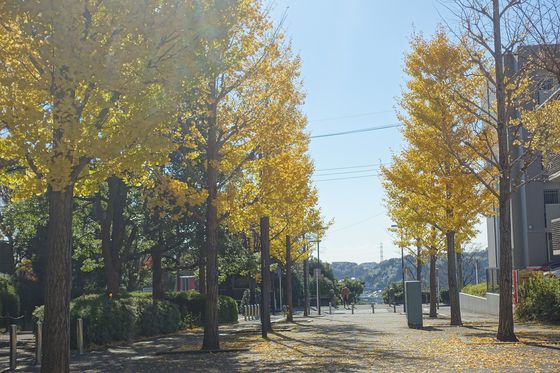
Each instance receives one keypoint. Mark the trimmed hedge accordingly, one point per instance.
(227, 311)
(121, 319)
(479, 290)
(191, 305)
(159, 317)
(540, 299)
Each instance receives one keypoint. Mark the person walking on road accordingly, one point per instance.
(345, 292)
(333, 299)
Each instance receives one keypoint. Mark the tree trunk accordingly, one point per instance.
(118, 192)
(158, 291)
(266, 326)
(112, 223)
(433, 286)
(56, 350)
(505, 326)
(289, 298)
(452, 279)
(211, 336)
(306, 287)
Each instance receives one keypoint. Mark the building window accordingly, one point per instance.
(551, 197)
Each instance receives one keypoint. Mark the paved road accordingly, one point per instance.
(340, 341)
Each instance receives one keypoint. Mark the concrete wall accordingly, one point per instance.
(493, 244)
(489, 305)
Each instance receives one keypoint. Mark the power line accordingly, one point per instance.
(357, 223)
(345, 172)
(348, 178)
(351, 116)
(350, 167)
(358, 130)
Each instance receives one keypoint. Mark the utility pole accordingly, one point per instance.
(380, 252)
(317, 277)
(306, 287)
(394, 226)
(402, 270)
(476, 270)
(280, 300)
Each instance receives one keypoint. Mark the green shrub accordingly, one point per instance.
(140, 294)
(120, 319)
(9, 299)
(104, 320)
(539, 299)
(397, 291)
(479, 289)
(227, 310)
(159, 317)
(191, 306)
(189, 302)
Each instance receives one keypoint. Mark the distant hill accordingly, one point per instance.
(377, 276)
(350, 269)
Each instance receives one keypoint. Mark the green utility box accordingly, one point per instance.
(413, 300)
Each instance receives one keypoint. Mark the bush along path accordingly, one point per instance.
(108, 320)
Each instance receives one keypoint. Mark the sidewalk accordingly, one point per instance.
(25, 345)
(341, 341)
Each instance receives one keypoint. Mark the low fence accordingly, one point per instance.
(13, 343)
(489, 305)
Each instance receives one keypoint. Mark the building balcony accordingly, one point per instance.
(552, 168)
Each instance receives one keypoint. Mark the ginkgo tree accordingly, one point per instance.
(238, 121)
(426, 176)
(86, 91)
(289, 199)
(413, 229)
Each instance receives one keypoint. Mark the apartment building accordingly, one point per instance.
(535, 205)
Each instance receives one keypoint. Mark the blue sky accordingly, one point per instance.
(352, 54)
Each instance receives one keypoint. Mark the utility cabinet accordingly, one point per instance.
(413, 300)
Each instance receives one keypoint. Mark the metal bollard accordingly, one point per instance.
(330, 310)
(80, 336)
(373, 308)
(394, 308)
(352, 308)
(13, 346)
(39, 343)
